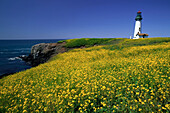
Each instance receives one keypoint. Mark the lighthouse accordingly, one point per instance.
(138, 27)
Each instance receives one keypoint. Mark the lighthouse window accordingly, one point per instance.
(139, 29)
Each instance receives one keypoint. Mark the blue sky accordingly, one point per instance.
(62, 19)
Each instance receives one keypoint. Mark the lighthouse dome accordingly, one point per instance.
(138, 17)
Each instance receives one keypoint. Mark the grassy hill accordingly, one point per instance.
(118, 75)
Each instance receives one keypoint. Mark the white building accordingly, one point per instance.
(138, 26)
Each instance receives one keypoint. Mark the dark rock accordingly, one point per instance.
(40, 53)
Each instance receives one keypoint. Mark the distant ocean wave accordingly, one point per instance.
(8, 53)
(12, 52)
(15, 51)
(14, 58)
(18, 49)
(23, 49)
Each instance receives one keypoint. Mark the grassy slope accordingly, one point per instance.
(88, 42)
(124, 75)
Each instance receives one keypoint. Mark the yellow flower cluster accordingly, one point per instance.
(96, 79)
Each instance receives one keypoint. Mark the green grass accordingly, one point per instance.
(87, 42)
(123, 43)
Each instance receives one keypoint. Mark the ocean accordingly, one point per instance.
(11, 49)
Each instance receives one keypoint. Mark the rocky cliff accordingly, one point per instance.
(42, 52)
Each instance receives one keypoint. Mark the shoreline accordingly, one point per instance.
(6, 74)
(10, 73)
(40, 53)
(14, 52)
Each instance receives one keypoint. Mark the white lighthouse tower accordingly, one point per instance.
(138, 26)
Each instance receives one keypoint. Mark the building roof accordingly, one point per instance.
(139, 12)
(143, 34)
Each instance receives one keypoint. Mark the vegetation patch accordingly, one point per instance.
(87, 42)
(119, 77)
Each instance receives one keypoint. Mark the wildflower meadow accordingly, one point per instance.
(105, 78)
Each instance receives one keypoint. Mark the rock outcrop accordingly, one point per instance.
(42, 52)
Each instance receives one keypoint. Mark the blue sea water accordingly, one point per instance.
(11, 49)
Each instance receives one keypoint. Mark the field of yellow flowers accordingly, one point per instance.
(95, 79)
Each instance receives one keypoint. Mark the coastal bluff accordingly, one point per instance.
(40, 53)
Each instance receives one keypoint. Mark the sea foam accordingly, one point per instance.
(14, 58)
